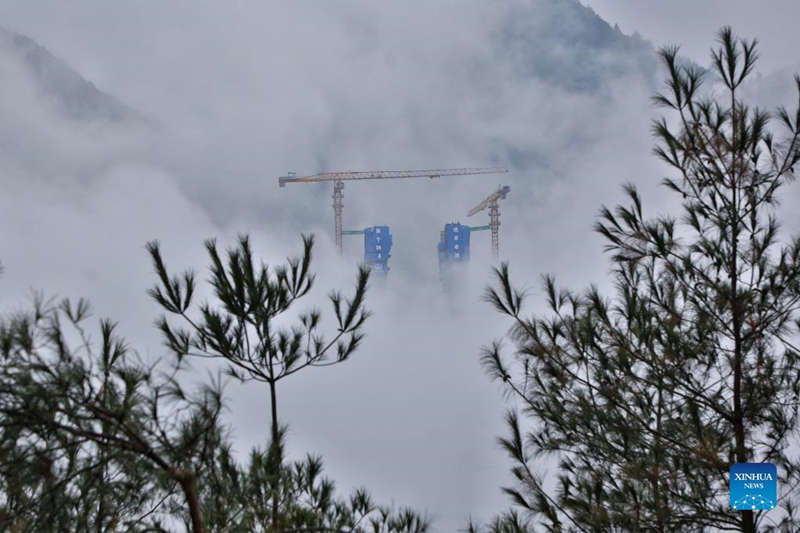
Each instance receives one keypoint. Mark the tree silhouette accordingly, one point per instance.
(649, 396)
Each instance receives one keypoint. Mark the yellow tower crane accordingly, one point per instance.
(338, 179)
(494, 215)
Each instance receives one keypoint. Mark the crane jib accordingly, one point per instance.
(387, 174)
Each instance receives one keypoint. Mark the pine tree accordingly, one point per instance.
(239, 327)
(92, 438)
(308, 502)
(647, 397)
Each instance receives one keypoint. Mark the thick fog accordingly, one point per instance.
(210, 103)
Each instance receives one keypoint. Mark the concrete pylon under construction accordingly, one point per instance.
(490, 202)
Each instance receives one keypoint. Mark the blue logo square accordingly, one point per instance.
(754, 486)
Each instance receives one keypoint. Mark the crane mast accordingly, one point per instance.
(338, 205)
(338, 179)
(490, 202)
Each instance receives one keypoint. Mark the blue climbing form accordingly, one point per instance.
(377, 248)
(453, 245)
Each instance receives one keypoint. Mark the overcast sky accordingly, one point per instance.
(242, 92)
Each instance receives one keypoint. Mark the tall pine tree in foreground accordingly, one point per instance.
(92, 438)
(239, 325)
(648, 396)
